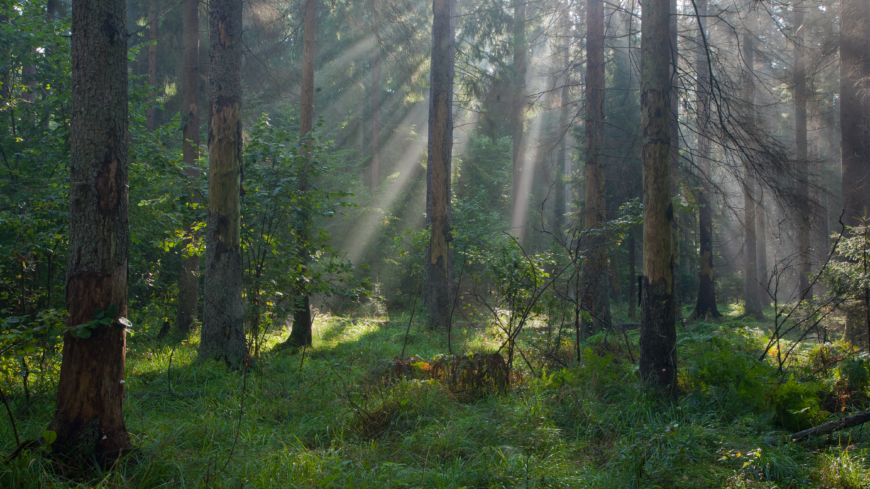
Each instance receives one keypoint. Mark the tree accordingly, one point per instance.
(750, 252)
(801, 173)
(300, 335)
(151, 113)
(439, 260)
(706, 303)
(517, 118)
(674, 111)
(595, 290)
(658, 363)
(88, 418)
(188, 286)
(223, 335)
(855, 109)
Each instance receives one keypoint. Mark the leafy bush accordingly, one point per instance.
(797, 406)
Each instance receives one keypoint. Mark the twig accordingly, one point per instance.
(241, 413)
(408, 330)
(169, 371)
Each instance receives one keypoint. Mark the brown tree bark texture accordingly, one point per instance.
(88, 416)
(439, 260)
(596, 297)
(188, 286)
(223, 335)
(706, 303)
(855, 108)
(675, 152)
(658, 362)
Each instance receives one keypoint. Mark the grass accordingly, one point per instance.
(327, 422)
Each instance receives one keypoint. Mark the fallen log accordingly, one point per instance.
(830, 427)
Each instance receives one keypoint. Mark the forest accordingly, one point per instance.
(446, 244)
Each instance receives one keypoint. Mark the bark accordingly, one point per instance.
(439, 260)
(830, 427)
(518, 108)
(706, 304)
(658, 362)
(223, 335)
(376, 83)
(88, 416)
(632, 276)
(560, 207)
(750, 252)
(301, 335)
(675, 154)
(801, 171)
(595, 291)
(761, 247)
(188, 286)
(855, 109)
(151, 114)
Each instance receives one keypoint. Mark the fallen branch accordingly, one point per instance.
(830, 427)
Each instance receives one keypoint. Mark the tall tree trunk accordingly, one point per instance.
(518, 109)
(595, 291)
(188, 286)
(439, 258)
(560, 207)
(750, 251)
(706, 303)
(150, 113)
(376, 83)
(88, 418)
(632, 276)
(300, 335)
(855, 108)
(223, 334)
(658, 361)
(675, 155)
(801, 174)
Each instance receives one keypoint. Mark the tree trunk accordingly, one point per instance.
(519, 200)
(761, 247)
(750, 253)
(188, 286)
(855, 108)
(301, 335)
(801, 173)
(223, 334)
(439, 259)
(376, 83)
(560, 207)
(150, 113)
(658, 362)
(632, 276)
(596, 298)
(675, 155)
(88, 418)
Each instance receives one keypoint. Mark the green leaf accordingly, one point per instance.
(49, 437)
(84, 332)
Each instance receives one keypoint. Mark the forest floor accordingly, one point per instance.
(326, 417)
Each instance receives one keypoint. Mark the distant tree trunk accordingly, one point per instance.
(632, 276)
(761, 246)
(706, 303)
(88, 417)
(560, 207)
(223, 334)
(188, 286)
(658, 360)
(300, 335)
(439, 259)
(518, 108)
(801, 173)
(855, 108)
(750, 252)
(150, 113)
(376, 82)
(596, 298)
(675, 155)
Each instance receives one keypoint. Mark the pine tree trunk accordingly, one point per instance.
(801, 173)
(519, 201)
(223, 334)
(675, 155)
(855, 108)
(560, 207)
(596, 298)
(150, 113)
(658, 362)
(750, 250)
(376, 82)
(88, 418)
(301, 335)
(439, 259)
(188, 286)
(632, 276)
(706, 304)
(761, 247)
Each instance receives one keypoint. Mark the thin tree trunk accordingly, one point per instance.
(223, 334)
(88, 418)
(518, 108)
(675, 155)
(595, 291)
(801, 173)
(150, 113)
(439, 259)
(301, 335)
(560, 206)
(188, 286)
(632, 276)
(376, 82)
(761, 247)
(658, 361)
(750, 251)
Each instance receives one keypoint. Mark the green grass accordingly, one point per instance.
(328, 423)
